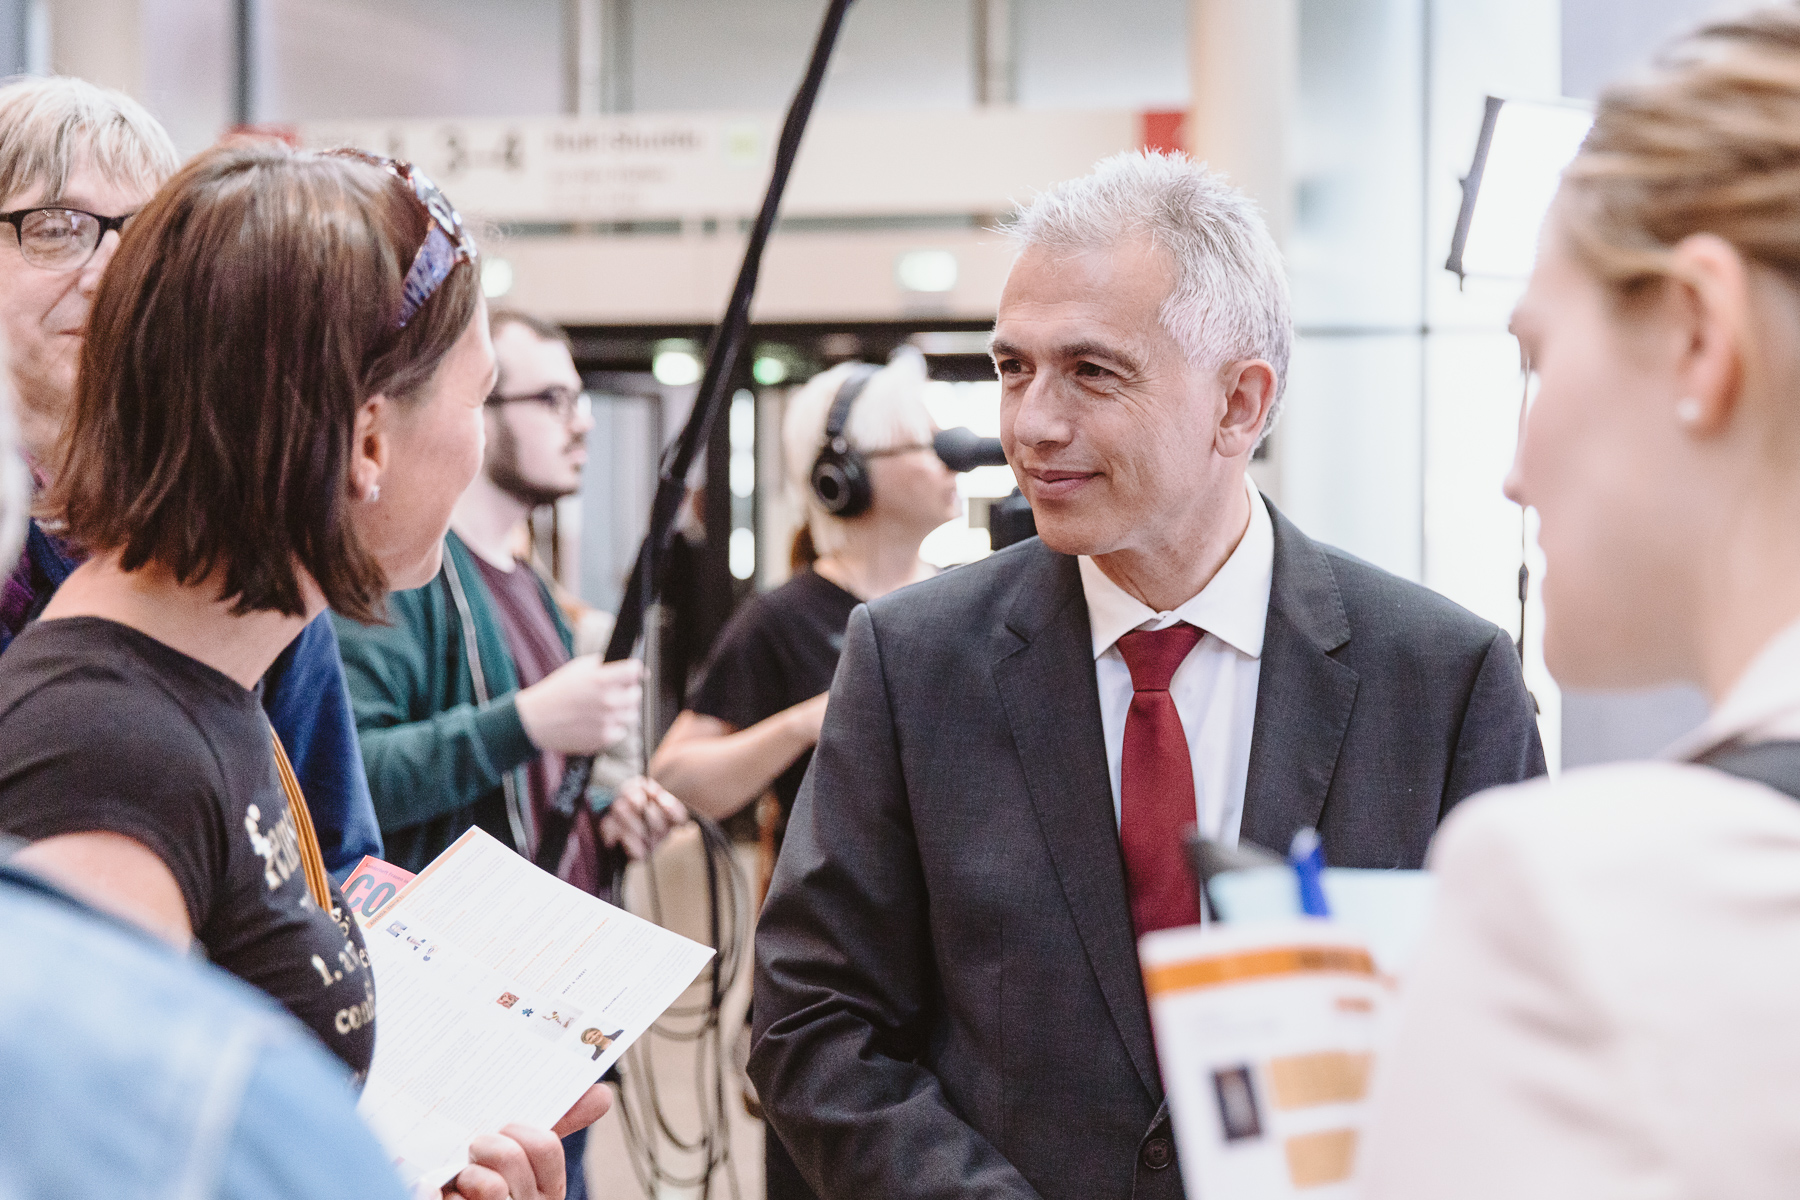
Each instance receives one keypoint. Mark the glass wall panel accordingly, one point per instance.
(1350, 443)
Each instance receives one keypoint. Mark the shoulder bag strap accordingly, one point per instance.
(312, 861)
(1773, 764)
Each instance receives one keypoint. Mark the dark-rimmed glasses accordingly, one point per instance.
(446, 244)
(566, 403)
(57, 238)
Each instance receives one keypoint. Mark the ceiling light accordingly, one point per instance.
(926, 270)
(496, 277)
(674, 363)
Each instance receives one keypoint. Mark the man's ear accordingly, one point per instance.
(1249, 386)
(370, 447)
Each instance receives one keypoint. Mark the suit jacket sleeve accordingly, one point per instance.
(426, 756)
(845, 974)
(1498, 741)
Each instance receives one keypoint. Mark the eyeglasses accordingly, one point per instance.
(446, 244)
(566, 403)
(61, 239)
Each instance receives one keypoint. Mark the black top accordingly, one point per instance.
(103, 728)
(779, 649)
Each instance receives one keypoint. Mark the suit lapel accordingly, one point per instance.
(1052, 704)
(1303, 696)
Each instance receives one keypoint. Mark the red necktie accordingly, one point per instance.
(1156, 783)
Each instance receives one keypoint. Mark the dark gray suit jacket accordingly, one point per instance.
(948, 1000)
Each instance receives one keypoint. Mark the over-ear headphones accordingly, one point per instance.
(840, 475)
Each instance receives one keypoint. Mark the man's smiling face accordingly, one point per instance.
(1110, 429)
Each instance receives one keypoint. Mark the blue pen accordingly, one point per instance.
(1306, 854)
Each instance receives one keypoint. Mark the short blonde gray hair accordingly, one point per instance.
(1230, 299)
(50, 124)
(890, 411)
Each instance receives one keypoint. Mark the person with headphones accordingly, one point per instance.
(857, 440)
(857, 443)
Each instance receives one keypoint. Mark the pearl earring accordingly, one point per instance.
(374, 493)
(1687, 410)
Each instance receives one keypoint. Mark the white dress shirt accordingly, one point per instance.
(1214, 689)
(1605, 1003)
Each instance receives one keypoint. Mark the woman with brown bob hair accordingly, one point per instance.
(1605, 1004)
(280, 399)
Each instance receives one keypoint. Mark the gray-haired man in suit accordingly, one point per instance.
(948, 1000)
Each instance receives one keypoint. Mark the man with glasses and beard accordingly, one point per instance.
(485, 653)
(468, 701)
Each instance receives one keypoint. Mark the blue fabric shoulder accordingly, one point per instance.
(132, 1071)
(309, 706)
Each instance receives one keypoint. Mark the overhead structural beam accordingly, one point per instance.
(996, 79)
(596, 57)
(584, 43)
(243, 83)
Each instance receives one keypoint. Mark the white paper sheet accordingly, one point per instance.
(503, 994)
(1389, 908)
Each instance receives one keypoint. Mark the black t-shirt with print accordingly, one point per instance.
(779, 648)
(104, 729)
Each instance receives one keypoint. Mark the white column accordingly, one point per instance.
(99, 40)
(1244, 64)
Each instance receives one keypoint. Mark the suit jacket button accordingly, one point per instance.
(1157, 1153)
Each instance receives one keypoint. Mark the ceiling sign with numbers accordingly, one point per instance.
(622, 168)
(681, 165)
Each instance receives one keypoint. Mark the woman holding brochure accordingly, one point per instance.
(280, 398)
(1605, 1005)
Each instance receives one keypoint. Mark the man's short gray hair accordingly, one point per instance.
(50, 124)
(1230, 299)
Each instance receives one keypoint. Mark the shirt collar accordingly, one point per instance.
(1233, 606)
(1765, 703)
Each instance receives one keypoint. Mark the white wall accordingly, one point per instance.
(334, 59)
(689, 55)
(1404, 393)
(190, 67)
(1121, 54)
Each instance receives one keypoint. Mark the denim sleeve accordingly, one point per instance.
(309, 706)
(298, 1136)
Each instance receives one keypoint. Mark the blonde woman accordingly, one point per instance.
(751, 723)
(1605, 1006)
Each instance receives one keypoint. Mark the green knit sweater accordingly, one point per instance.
(435, 758)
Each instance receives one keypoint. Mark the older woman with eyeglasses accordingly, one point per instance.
(1605, 1006)
(76, 162)
(279, 400)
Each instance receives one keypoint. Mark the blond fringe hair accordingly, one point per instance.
(890, 411)
(50, 124)
(1706, 141)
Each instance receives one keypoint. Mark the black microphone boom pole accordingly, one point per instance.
(722, 352)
